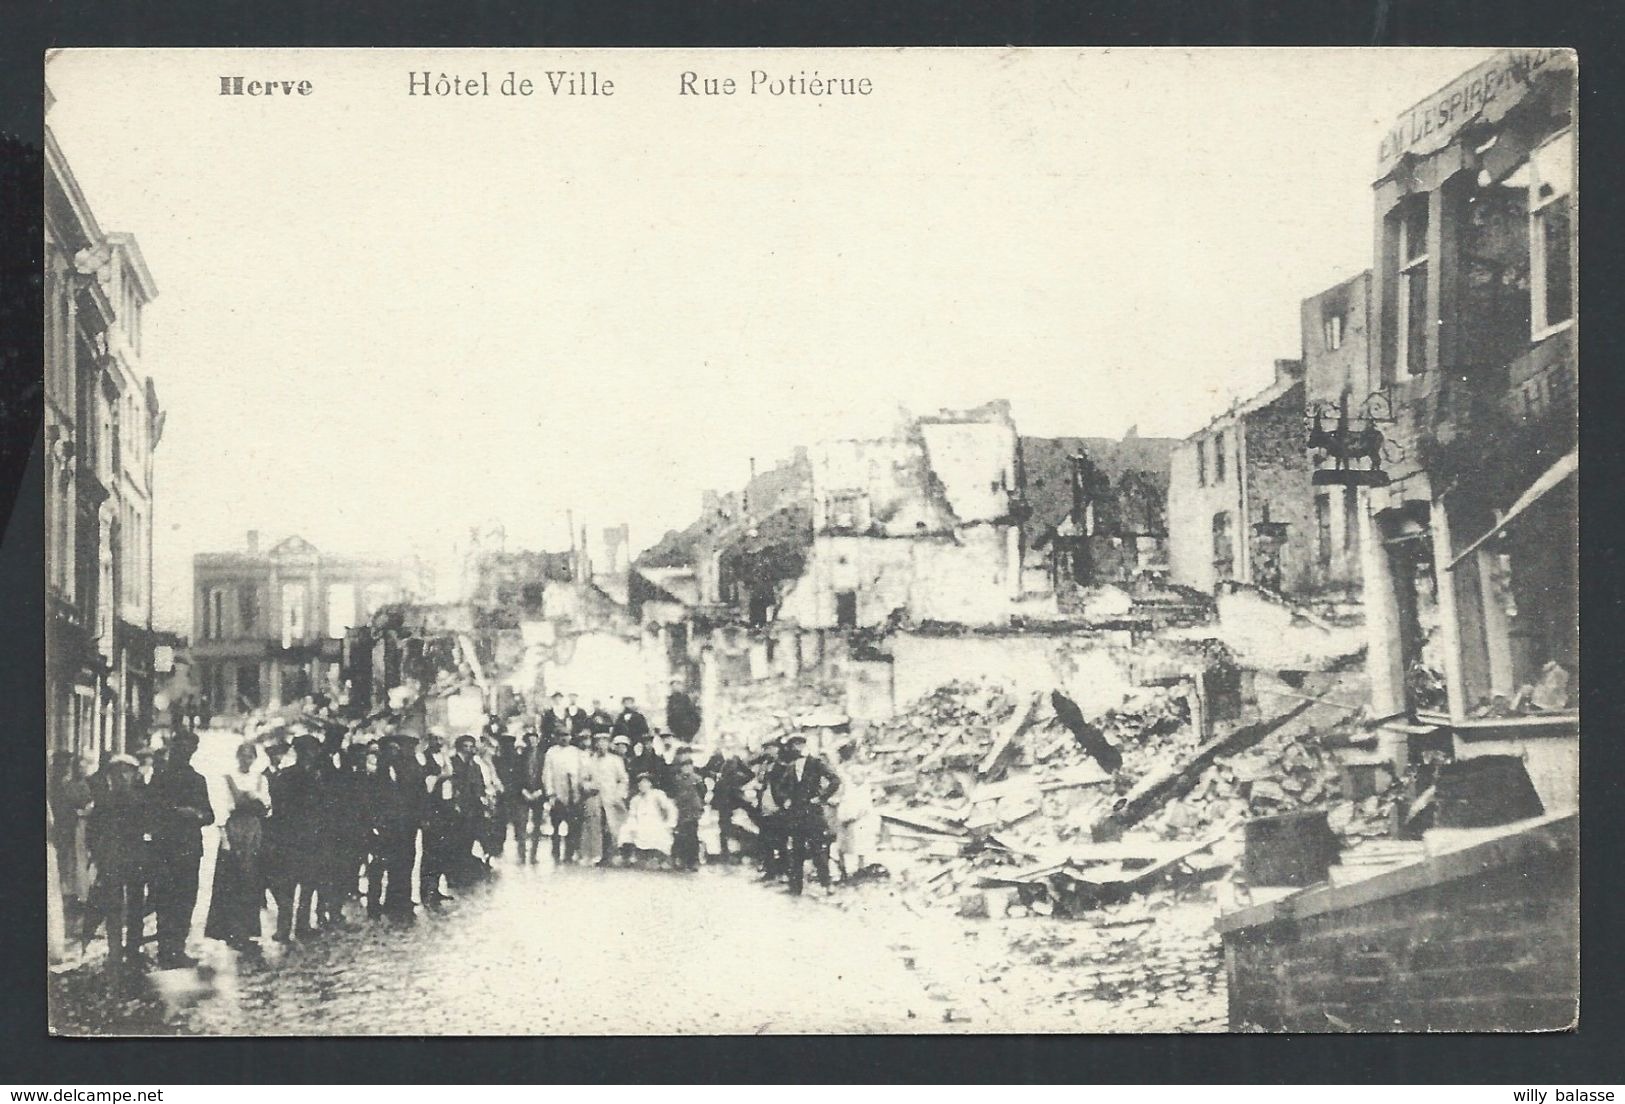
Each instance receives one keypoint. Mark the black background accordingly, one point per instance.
(29, 1057)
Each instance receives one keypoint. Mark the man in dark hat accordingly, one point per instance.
(293, 839)
(532, 755)
(439, 822)
(631, 723)
(512, 807)
(802, 786)
(730, 776)
(556, 721)
(400, 797)
(469, 807)
(181, 809)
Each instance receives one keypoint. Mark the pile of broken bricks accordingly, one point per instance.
(1003, 806)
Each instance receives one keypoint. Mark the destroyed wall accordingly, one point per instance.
(881, 486)
(753, 683)
(917, 521)
(975, 462)
(1270, 632)
(1482, 939)
(1121, 493)
(971, 577)
(583, 605)
(1022, 664)
(875, 571)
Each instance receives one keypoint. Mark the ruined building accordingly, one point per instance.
(921, 522)
(1469, 539)
(1096, 508)
(1243, 502)
(745, 549)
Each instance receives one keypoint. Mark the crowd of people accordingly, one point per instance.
(129, 840)
(400, 822)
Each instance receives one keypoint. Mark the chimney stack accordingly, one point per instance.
(253, 540)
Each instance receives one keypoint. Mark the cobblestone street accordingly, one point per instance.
(570, 951)
(541, 950)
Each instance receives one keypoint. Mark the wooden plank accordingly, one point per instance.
(1014, 727)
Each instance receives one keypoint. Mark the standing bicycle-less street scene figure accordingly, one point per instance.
(1037, 540)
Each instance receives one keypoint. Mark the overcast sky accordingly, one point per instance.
(383, 319)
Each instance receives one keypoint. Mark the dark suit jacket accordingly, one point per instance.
(531, 775)
(682, 716)
(468, 787)
(807, 793)
(175, 834)
(631, 724)
(120, 821)
(558, 727)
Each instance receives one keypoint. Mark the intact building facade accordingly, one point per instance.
(268, 626)
(102, 422)
(1470, 562)
(1337, 377)
(1239, 502)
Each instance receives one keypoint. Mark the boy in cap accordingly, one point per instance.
(688, 796)
(769, 814)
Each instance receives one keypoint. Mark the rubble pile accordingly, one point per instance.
(997, 810)
(756, 711)
(973, 782)
(930, 753)
(970, 744)
(1286, 771)
(1152, 729)
(1294, 768)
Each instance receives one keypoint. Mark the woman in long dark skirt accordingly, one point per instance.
(239, 877)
